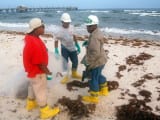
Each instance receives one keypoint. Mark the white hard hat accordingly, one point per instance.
(92, 20)
(66, 17)
(34, 23)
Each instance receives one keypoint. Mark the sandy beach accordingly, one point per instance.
(132, 64)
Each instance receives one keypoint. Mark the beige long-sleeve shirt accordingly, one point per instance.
(95, 54)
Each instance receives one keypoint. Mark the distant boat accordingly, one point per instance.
(21, 8)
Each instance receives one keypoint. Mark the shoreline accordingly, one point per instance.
(20, 33)
(109, 37)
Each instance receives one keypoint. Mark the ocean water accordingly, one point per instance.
(134, 23)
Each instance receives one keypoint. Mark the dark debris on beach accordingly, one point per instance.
(138, 60)
(76, 83)
(148, 76)
(146, 94)
(131, 42)
(136, 110)
(77, 109)
(120, 68)
(112, 85)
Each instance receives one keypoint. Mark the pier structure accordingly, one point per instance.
(38, 9)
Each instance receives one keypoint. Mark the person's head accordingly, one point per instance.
(91, 23)
(36, 27)
(66, 20)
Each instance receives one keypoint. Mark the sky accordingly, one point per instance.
(83, 4)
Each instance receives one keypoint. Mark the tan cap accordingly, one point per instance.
(34, 23)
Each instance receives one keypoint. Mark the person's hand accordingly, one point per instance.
(78, 47)
(85, 43)
(56, 51)
(84, 62)
(49, 76)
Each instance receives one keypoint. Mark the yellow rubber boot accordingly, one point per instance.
(103, 91)
(31, 104)
(65, 80)
(93, 98)
(75, 74)
(48, 112)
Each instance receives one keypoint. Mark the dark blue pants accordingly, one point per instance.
(72, 55)
(96, 79)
